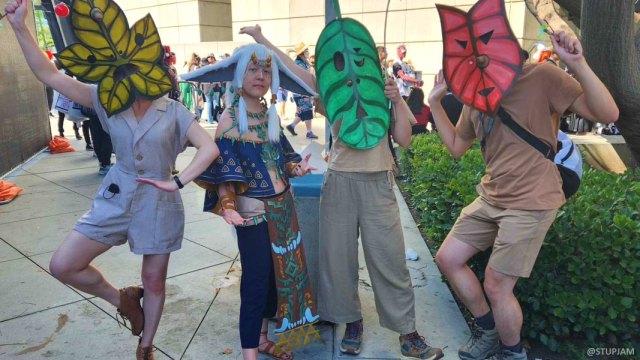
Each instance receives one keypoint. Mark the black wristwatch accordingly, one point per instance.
(178, 182)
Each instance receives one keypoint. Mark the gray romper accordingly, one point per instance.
(151, 220)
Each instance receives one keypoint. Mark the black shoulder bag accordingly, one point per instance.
(570, 180)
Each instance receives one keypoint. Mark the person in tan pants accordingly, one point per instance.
(358, 198)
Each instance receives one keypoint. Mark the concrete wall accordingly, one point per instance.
(24, 120)
(412, 22)
(184, 21)
(204, 26)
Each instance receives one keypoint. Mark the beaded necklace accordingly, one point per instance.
(258, 115)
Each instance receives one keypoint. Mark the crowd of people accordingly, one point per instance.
(207, 99)
(246, 171)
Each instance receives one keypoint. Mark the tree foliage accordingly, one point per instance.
(585, 286)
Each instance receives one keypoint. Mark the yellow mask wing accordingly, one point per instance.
(146, 53)
(124, 62)
(115, 95)
(84, 63)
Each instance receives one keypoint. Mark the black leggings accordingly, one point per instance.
(258, 296)
(61, 116)
(86, 132)
(101, 141)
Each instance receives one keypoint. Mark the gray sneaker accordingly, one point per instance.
(504, 354)
(482, 344)
(104, 169)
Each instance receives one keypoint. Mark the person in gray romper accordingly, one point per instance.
(137, 202)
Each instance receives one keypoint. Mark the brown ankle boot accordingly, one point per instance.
(130, 308)
(144, 353)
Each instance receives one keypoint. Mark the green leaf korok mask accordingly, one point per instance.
(350, 82)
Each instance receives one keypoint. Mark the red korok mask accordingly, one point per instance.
(482, 58)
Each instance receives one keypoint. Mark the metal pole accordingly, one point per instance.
(56, 34)
(329, 16)
(62, 26)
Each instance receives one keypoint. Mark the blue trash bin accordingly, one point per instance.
(306, 190)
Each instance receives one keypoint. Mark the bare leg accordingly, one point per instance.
(71, 265)
(252, 354)
(452, 260)
(282, 109)
(307, 123)
(154, 278)
(506, 309)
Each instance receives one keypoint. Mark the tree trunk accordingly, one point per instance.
(547, 12)
(610, 49)
(574, 7)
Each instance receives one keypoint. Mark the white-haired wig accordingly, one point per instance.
(233, 69)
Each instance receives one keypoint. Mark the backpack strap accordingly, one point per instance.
(534, 141)
(566, 157)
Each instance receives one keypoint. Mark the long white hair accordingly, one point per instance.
(233, 70)
(245, 54)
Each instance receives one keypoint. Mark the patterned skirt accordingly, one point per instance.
(296, 308)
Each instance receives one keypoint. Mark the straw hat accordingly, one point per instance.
(300, 48)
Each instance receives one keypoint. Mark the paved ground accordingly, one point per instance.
(42, 318)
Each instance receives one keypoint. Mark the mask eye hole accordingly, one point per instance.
(139, 39)
(486, 37)
(338, 61)
(463, 44)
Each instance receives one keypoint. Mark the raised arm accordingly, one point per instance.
(44, 70)
(256, 33)
(448, 133)
(596, 103)
(401, 130)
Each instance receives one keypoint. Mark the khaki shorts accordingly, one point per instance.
(515, 235)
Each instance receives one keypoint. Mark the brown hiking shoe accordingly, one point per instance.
(413, 345)
(130, 308)
(144, 353)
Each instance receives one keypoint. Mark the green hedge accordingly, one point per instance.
(585, 285)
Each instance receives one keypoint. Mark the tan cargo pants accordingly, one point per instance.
(363, 204)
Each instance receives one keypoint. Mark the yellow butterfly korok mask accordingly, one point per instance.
(124, 62)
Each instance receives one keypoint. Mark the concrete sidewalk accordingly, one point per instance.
(40, 317)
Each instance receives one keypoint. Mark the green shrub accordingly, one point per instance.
(585, 285)
(439, 187)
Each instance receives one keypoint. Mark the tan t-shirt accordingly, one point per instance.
(344, 158)
(517, 175)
